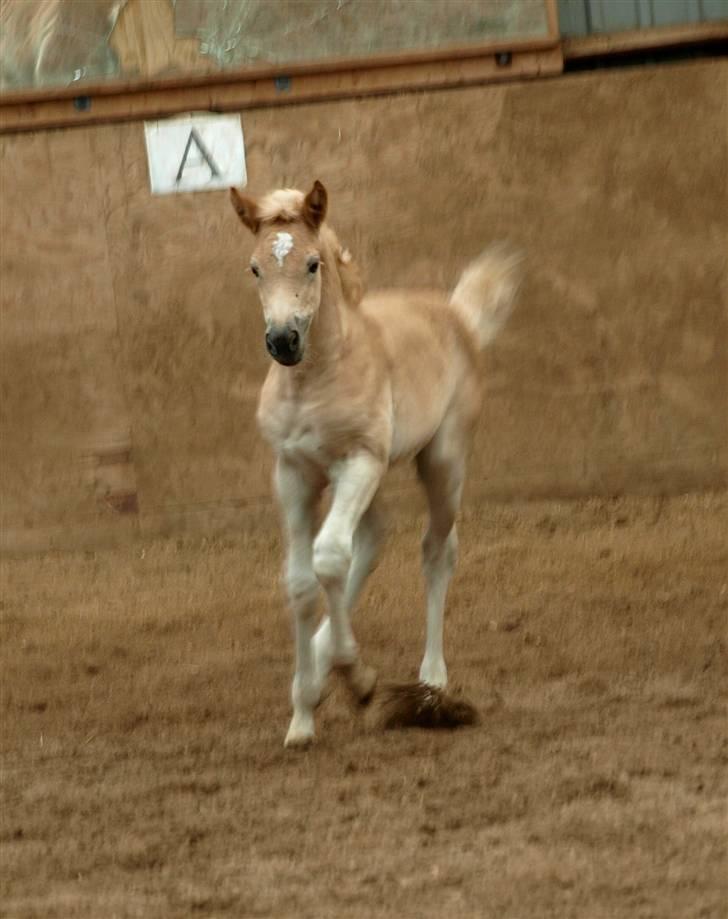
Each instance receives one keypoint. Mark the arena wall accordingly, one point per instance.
(131, 345)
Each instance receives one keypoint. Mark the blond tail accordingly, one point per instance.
(485, 294)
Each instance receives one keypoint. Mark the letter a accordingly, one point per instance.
(206, 155)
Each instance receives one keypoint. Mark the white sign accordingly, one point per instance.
(195, 153)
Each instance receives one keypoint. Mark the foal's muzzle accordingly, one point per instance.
(284, 345)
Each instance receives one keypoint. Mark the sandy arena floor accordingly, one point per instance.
(145, 699)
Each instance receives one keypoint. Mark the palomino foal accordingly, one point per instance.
(355, 385)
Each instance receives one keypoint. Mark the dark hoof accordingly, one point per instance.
(360, 679)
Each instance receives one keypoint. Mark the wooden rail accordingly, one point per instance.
(283, 84)
(673, 36)
(244, 93)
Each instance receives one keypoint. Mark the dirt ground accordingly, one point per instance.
(145, 700)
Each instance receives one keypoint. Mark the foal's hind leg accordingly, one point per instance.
(441, 468)
(367, 540)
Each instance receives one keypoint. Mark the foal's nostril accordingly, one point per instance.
(284, 345)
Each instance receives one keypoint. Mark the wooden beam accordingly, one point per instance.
(196, 94)
(442, 54)
(552, 19)
(672, 36)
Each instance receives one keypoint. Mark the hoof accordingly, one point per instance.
(366, 685)
(300, 735)
(298, 741)
(361, 680)
(434, 674)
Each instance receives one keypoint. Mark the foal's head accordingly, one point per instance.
(286, 262)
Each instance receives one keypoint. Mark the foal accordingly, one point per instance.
(355, 385)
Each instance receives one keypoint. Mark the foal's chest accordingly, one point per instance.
(318, 424)
(294, 432)
(302, 441)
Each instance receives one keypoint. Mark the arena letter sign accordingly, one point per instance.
(195, 153)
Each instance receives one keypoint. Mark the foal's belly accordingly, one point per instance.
(417, 416)
(424, 364)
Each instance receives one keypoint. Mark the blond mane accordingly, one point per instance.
(352, 285)
(285, 205)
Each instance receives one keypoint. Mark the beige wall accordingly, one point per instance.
(128, 321)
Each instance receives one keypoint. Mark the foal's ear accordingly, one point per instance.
(246, 209)
(314, 206)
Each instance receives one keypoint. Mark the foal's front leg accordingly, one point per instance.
(355, 482)
(297, 497)
(367, 540)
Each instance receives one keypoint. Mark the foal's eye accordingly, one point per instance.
(313, 266)
(255, 270)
